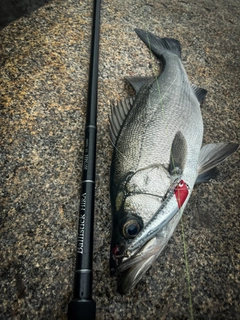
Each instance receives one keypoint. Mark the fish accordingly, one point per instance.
(157, 159)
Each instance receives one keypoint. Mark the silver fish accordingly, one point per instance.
(157, 137)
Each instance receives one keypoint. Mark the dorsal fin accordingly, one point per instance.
(178, 154)
(137, 82)
(200, 93)
(119, 112)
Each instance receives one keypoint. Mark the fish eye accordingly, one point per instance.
(131, 228)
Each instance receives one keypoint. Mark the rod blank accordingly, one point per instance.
(82, 306)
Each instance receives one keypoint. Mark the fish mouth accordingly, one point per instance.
(131, 270)
(116, 258)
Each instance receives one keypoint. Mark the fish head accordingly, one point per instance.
(136, 244)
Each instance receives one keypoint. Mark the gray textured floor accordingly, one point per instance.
(11, 10)
(43, 77)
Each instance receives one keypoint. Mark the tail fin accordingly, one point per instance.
(159, 45)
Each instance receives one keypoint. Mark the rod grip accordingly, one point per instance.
(82, 310)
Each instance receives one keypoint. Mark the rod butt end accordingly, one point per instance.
(81, 310)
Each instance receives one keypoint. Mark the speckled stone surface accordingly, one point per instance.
(43, 79)
(11, 10)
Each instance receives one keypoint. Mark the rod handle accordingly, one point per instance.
(82, 310)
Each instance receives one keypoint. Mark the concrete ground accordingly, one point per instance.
(44, 75)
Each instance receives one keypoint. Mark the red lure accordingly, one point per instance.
(181, 193)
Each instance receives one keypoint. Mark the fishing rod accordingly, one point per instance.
(82, 306)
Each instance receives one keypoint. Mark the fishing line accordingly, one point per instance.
(182, 226)
(114, 146)
(161, 97)
(187, 271)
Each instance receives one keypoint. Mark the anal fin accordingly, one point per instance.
(211, 155)
(207, 175)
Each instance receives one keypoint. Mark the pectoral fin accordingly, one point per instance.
(178, 154)
(210, 156)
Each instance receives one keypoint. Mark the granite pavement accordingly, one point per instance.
(44, 62)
